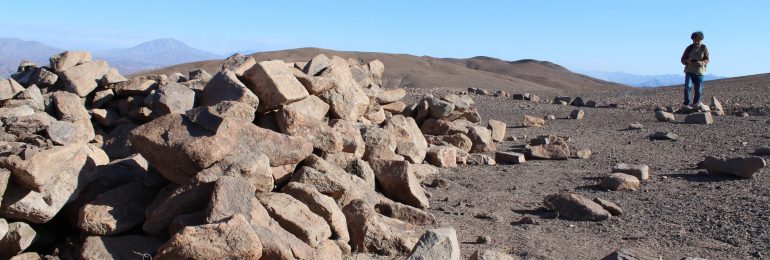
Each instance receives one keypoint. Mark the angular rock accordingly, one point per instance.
(380, 144)
(135, 86)
(274, 84)
(296, 217)
(37, 171)
(640, 171)
(112, 77)
(509, 158)
(316, 65)
(461, 141)
(322, 205)
(716, 107)
(611, 207)
(699, 118)
(321, 135)
(440, 243)
(620, 181)
(225, 86)
(664, 116)
(83, 78)
(482, 139)
(238, 63)
(231, 239)
(351, 136)
(198, 74)
(172, 201)
(481, 159)
(398, 182)
(629, 253)
(440, 109)
(578, 102)
(433, 126)
(254, 168)
(577, 114)
(490, 255)
(498, 130)
(65, 185)
(70, 109)
(231, 195)
(442, 156)
(68, 59)
(744, 166)
(173, 98)
(311, 106)
(664, 136)
(117, 210)
(210, 117)
(371, 232)
(119, 247)
(116, 143)
(314, 84)
(17, 239)
(7, 113)
(391, 95)
(531, 121)
(43, 77)
(347, 101)
(409, 140)
(576, 207)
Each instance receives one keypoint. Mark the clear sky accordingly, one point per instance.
(640, 37)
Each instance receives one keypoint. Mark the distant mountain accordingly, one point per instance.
(152, 55)
(13, 50)
(643, 80)
(403, 70)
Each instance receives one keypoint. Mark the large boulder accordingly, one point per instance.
(9, 88)
(322, 205)
(231, 239)
(117, 210)
(482, 139)
(238, 63)
(398, 182)
(296, 217)
(498, 130)
(173, 98)
(274, 84)
(744, 167)
(65, 60)
(179, 148)
(409, 140)
(320, 134)
(311, 106)
(440, 243)
(70, 178)
(347, 101)
(576, 207)
(371, 232)
(83, 78)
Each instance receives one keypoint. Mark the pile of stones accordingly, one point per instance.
(262, 160)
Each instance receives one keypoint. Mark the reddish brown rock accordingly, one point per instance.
(442, 156)
(232, 239)
(274, 84)
(296, 217)
(398, 182)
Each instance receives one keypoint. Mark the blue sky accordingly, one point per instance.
(640, 37)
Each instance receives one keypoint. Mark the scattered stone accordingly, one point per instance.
(699, 118)
(640, 171)
(578, 102)
(498, 130)
(620, 181)
(744, 166)
(440, 243)
(531, 121)
(549, 117)
(664, 116)
(716, 107)
(490, 255)
(562, 100)
(558, 150)
(664, 136)
(576, 207)
(481, 159)
(483, 240)
(628, 253)
(442, 156)
(635, 126)
(611, 207)
(577, 114)
(481, 138)
(509, 158)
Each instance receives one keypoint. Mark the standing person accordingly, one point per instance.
(695, 58)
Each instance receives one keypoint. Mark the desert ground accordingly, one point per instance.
(679, 212)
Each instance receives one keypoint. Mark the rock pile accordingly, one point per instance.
(262, 160)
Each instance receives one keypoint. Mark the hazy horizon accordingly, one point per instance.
(638, 38)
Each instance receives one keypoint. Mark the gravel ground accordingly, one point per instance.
(677, 213)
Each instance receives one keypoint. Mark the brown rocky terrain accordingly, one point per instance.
(316, 158)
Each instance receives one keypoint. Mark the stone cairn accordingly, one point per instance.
(263, 160)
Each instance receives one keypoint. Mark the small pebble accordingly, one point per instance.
(483, 240)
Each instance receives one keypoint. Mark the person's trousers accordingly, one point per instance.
(697, 84)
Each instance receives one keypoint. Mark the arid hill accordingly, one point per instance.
(411, 71)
